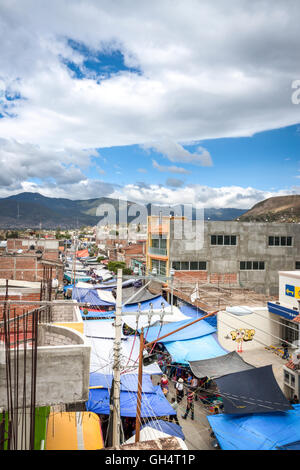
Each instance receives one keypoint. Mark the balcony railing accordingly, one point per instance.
(157, 251)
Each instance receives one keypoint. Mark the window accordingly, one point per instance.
(280, 241)
(189, 265)
(176, 265)
(297, 265)
(160, 266)
(223, 240)
(252, 265)
(185, 266)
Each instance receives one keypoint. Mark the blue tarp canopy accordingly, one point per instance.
(165, 426)
(129, 382)
(89, 296)
(261, 431)
(153, 404)
(156, 302)
(195, 349)
(97, 314)
(197, 330)
(195, 312)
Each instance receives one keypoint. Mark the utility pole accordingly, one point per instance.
(116, 366)
(139, 393)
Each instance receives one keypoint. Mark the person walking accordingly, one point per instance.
(189, 404)
(179, 390)
(174, 405)
(285, 350)
(194, 386)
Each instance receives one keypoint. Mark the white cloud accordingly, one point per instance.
(199, 196)
(177, 153)
(206, 71)
(169, 169)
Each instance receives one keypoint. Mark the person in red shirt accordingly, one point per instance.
(189, 404)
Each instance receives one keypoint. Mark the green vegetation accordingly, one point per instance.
(115, 265)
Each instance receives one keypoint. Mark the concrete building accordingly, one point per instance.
(247, 255)
(40, 368)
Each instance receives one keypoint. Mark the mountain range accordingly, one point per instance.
(33, 210)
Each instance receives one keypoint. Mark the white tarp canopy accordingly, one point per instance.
(102, 356)
(100, 329)
(143, 320)
(104, 273)
(150, 434)
(106, 295)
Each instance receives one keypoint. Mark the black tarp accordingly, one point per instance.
(219, 366)
(252, 391)
(143, 296)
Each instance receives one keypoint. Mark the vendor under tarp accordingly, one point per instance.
(219, 366)
(272, 431)
(252, 391)
(153, 404)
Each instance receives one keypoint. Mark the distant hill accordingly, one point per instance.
(274, 209)
(32, 210)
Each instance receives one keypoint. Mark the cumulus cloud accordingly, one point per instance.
(199, 196)
(204, 71)
(169, 169)
(174, 182)
(177, 153)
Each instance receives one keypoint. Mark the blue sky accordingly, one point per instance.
(269, 160)
(163, 102)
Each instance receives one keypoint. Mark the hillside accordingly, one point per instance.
(274, 209)
(32, 210)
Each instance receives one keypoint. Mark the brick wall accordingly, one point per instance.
(202, 276)
(26, 268)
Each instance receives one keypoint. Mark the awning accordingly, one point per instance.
(282, 311)
(90, 296)
(170, 428)
(129, 382)
(271, 431)
(201, 328)
(153, 404)
(82, 254)
(96, 313)
(74, 431)
(149, 433)
(252, 391)
(100, 329)
(195, 349)
(102, 356)
(143, 296)
(219, 366)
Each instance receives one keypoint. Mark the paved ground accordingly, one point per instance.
(197, 432)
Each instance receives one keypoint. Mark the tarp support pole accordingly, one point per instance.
(139, 394)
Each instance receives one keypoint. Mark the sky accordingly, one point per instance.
(164, 101)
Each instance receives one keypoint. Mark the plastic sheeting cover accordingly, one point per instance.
(219, 366)
(129, 382)
(271, 431)
(195, 349)
(153, 404)
(252, 391)
(196, 330)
